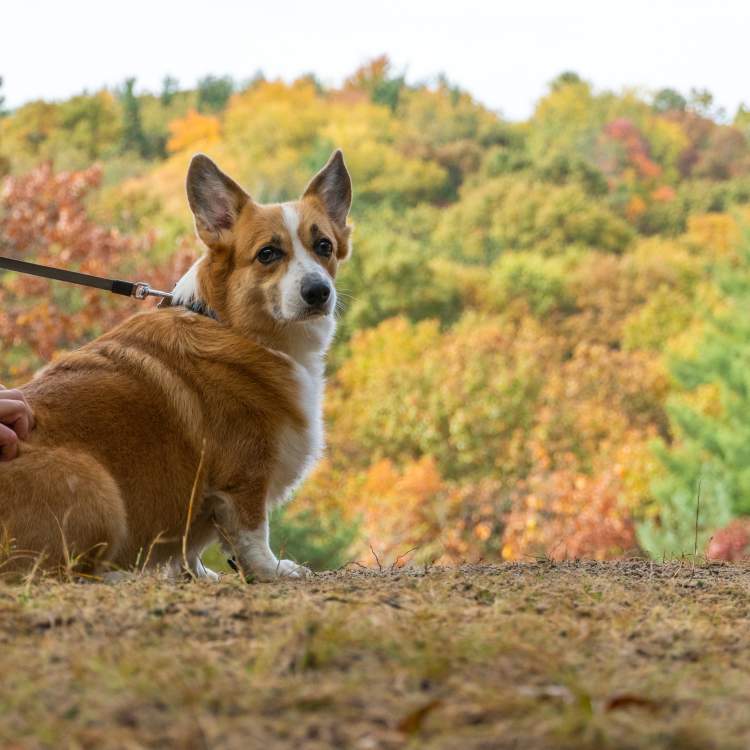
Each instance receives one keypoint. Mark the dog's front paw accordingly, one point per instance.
(201, 571)
(291, 569)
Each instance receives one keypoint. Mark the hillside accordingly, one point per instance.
(538, 655)
(543, 342)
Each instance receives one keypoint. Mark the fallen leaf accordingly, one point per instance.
(412, 722)
(628, 700)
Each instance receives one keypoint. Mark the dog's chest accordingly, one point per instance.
(299, 448)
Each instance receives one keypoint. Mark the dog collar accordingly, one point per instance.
(201, 308)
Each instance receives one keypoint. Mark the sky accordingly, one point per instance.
(504, 53)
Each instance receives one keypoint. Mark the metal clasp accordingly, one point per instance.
(141, 290)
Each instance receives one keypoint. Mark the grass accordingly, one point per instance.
(573, 655)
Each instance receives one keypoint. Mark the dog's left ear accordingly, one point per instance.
(333, 187)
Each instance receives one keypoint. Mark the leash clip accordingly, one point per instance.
(141, 290)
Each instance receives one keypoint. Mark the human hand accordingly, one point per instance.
(16, 422)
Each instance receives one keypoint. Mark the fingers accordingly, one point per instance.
(12, 394)
(8, 443)
(15, 412)
(17, 416)
(16, 421)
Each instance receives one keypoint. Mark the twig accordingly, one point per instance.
(351, 562)
(38, 560)
(156, 540)
(394, 564)
(697, 514)
(377, 559)
(196, 481)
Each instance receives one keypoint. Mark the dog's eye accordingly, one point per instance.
(324, 247)
(269, 254)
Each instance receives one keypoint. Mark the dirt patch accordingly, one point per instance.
(574, 655)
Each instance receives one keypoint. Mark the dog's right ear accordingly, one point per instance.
(216, 201)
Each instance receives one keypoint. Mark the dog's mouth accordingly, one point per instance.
(304, 315)
(313, 313)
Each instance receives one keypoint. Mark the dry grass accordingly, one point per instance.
(577, 655)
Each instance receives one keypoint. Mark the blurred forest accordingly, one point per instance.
(545, 348)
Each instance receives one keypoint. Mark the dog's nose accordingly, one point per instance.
(315, 290)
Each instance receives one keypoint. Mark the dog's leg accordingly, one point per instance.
(256, 555)
(244, 530)
(62, 507)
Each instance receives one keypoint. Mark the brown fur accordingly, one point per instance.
(106, 476)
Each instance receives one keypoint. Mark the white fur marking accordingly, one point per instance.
(300, 265)
(201, 571)
(186, 289)
(256, 555)
(300, 449)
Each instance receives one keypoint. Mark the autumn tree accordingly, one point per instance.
(169, 87)
(214, 92)
(669, 100)
(709, 460)
(377, 80)
(133, 137)
(43, 218)
(91, 124)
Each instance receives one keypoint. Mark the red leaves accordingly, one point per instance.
(43, 218)
(565, 514)
(731, 543)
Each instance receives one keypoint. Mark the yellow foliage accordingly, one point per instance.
(714, 235)
(195, 131)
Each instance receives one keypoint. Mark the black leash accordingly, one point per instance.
(137, 289)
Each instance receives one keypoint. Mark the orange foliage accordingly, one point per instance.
(636, 207)
(566, 514)
(194, 131)
(663, 194)
(411, 509)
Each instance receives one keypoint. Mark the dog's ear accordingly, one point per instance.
(333, 187)
(216, 201)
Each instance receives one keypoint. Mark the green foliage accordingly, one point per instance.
(684, 526)
(711, 425)
(701, 101)
(539, 282)
(91, 124)
(320, 541)
(669, 100)
(566, 78)
(214, 92)
(133, 137)
(169, 87)
(662, 317)
(513, 213)
(377, 80)
(391, 273)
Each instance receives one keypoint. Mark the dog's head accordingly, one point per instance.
(267, 265)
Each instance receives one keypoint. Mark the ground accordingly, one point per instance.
(541, 655)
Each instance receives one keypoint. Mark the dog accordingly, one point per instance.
(190, 422)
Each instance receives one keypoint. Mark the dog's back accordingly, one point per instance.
(108, 472)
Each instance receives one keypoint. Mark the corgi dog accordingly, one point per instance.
(190, 422)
